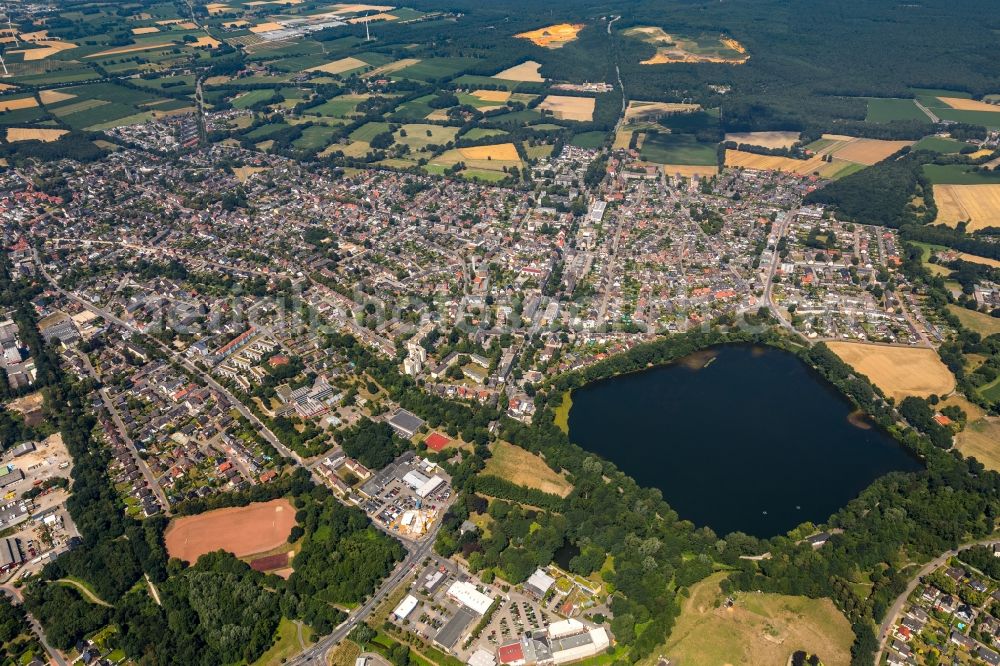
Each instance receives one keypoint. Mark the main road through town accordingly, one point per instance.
(315, 654)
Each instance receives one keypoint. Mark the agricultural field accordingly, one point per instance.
(981, 440)
(242, 531)
(983, 324)
(565, 107)
(553, 36)
(419, 136)
(640, 112)
(884, 110)
(678, 48)
(939, 144)
(689, 170)
(978, 205)
(899, 371)
(526, 71)
(525, 469)
(678, 149)
(959, 174)
(764, 139)
(756, 629)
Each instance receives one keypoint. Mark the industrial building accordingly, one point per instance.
(566, 641)
(10, 554)
(405, 607)
(468, 596)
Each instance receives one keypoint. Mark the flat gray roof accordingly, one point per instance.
(453, 630)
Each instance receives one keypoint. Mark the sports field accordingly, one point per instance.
(242, 531)
(757, 629)
(979, 205)
(566, 107)
(553, 36)
(899, 371)
(525, 469)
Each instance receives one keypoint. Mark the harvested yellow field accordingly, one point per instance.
(372, 17)
(526, 71)
(131, 49)
(54, 96)
(979, 153)
(500, 96)
(236, 24)
(15, 104)
(501, 151)
(218, 8)
(867, 151)
(49, 47)
(266, 27)
(524, 468)
(392, 67)
(764, 139)
(553, 36)
(6, 86)
(339, 66)
(206, 40)
(187, 25)
(34, 36)
(645, 111)
(969, 104)
(689, 170)
(170, 21)
(981, 440)
(899, 371)
(813, 165)
(565, 107)
(148, 30)
(33, 134)
(979, 205)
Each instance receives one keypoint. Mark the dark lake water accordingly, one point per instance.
(753, 441)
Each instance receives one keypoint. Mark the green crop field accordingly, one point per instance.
(589, 139)
(958, 174)
(884, 110)
(678, 149)
(481, 133)
(419, 136)
(315, 138)
(338, 107)
(248, 99)
(434, 68)
(368, 131)
(939, 144)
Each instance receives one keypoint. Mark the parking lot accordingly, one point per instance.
(393, 497)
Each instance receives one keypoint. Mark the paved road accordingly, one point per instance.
(885, 630)
(316, 654)
(116, 418)
(55, 656)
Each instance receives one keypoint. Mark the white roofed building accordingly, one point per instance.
(467, 595)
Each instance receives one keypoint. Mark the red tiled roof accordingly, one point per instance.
(510, 653)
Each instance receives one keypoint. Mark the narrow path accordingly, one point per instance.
(153, 591)
(91, 597)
